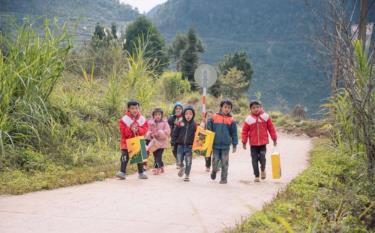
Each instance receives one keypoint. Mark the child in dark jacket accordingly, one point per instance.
(133, 124)
(173, 120)
(225, 129)
(255, 130)
(183, 137)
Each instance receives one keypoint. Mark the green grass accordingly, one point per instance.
(332, 195)
(312, 128)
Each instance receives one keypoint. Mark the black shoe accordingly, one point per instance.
(223, 181)
(213, 175)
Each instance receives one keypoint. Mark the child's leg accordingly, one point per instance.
(208, 162)
(174, 151)
(180, 156)
(224, 164)
(157, 157)
(215, 160)
(124, 160)
(161, 158)
(262, 157)
(255, 159)
(188, 160)
(140, 168)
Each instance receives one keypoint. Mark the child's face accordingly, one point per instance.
(226, 109)
(209, 115)
(188, 115)
(133, 109)
(178, 110)
(255, 109)
(157, 116)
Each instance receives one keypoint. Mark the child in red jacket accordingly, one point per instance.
(133, 124)
(256, 128)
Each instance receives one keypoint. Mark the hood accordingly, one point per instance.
(189, 108)
(177, 104)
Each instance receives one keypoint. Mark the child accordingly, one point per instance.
(183, 137)
(225, 129)
(158, 134)
(256, 128)
(133, 124)
(208, 115)
(173, 120)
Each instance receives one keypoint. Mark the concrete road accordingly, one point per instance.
(163, 203)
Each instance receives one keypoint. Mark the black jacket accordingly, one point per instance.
(184, 132)
(172, 120)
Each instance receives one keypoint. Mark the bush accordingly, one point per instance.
(174, 86)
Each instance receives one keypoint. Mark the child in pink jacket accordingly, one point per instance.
(158, 133)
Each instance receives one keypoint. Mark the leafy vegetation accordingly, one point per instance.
(332, 195)
(58, 126)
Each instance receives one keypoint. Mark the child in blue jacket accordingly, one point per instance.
(225, 129)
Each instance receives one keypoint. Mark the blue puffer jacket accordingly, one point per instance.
(225, 129)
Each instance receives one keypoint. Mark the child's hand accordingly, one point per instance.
(275, 143)
(244, 146)
(134, 128)
(234, 149)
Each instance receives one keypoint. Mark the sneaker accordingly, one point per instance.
(256, 179)
(207, 169)
(263, 175)
(223, 181)
(181, 172)
(186, 179)
(162, 170)
(121, 175)
(142, 176)
(213, 175)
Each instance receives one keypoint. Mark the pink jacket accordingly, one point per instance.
(159, 131)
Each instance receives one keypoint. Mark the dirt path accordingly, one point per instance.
(160, 204)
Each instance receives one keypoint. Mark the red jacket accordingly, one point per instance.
(126, 123)
(256, 128)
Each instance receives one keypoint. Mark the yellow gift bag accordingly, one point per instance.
(203, 142)
(137, 149)
(276, 166)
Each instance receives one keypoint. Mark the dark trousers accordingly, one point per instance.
(208, 161)
(124, 162)
(221, 156)
(174, 151)
(258, 155)
(158, 157)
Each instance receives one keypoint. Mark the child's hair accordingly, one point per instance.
(157, 110)
(132, 103)
(208, 111)
(255, 102)
(227, 102)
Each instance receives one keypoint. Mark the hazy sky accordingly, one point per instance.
(143, 5)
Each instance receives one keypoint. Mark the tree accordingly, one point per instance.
(234, 83)
(238, 60)
(114, 30)
(177, 48)
(155, 43)
(103, 37)
(190, 56)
